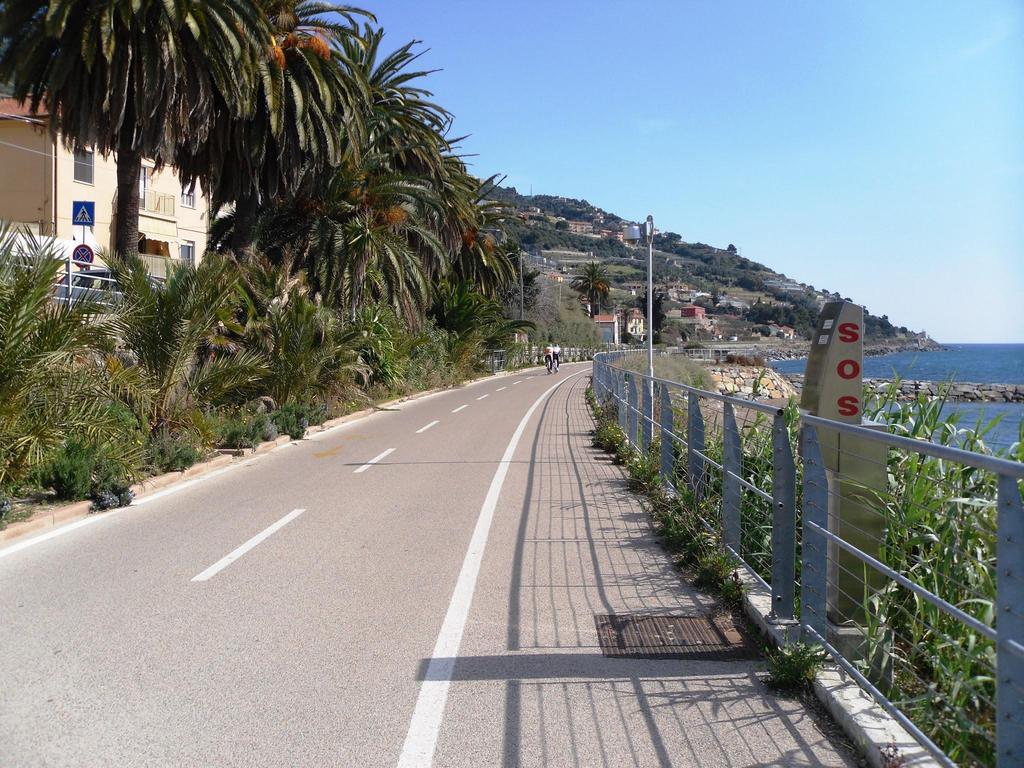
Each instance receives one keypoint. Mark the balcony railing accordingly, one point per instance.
(156, 202)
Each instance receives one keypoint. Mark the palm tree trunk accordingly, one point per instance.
(126, 214)
(243, 231)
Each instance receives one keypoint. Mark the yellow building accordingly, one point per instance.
(42, 179)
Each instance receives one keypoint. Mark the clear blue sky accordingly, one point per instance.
(871, 148)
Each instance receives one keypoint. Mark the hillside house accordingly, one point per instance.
(635, 323)
(609, 327)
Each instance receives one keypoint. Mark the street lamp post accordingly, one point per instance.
(521, 297)
(636, 233)
(649, 232)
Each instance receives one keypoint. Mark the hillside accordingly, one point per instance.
(743, 296)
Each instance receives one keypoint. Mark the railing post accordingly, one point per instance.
(631, 411)
(695, 445)
(620, 398)
(783, 522)
(646, 416)
(814, 560)
(1010, 625)
(732, 492)
(668, 452)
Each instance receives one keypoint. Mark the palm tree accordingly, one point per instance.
(133, 77)
(307, 351)
(592, 282)
(366, 237)
(50, 386)
(472, 317)
(306, 99)
(179, 339)
(398, 118)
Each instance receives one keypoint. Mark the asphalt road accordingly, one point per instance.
(414, 588)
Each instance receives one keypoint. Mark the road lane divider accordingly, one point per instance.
(228, 559)
(500, 388)
(460, 408)
(481, 397)
(517, 381)
(374, 460)
(421, 739)
(424, 428)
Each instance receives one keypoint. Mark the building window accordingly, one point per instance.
(143, 184)
(188, 198)
(84, 165)
(187, 252)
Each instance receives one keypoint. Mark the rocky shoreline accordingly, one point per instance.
(797, 350)
(966, 392)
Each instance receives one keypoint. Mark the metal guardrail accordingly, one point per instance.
(935, 632)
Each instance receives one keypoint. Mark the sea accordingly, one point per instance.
(980, 363)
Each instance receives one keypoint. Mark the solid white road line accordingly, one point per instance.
(428, 426)
(418, 750)
(374, 460)
(53, 534)
(460, 408)
(481, 397)
(227, 560)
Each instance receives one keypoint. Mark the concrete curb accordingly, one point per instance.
(68, 513)
(869, 726)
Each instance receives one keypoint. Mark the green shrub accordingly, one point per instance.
(714, 568)
(243, 430)
(291, 420)
(645, 470)
(169, 453)
(793, 667)
(69, 472)
(731, 590)
(79, 471)
(109, 487)
(609, 437)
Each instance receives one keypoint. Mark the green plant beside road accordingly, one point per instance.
(793, 667)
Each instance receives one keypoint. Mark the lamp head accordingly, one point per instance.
(632, 233)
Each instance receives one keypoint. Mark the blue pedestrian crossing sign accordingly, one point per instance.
(83, 213)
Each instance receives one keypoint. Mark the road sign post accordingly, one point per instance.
(82, 254)
(83, 214)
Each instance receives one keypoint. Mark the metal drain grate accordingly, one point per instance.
(666, 636)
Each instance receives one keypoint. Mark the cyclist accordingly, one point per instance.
(556, 354)
(549, 357)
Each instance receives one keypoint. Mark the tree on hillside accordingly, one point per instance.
(132, 77)
(592, 282)
(731, 248)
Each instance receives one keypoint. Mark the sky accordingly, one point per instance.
(871, 148)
